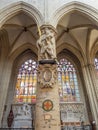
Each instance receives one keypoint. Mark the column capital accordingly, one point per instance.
(89, 65)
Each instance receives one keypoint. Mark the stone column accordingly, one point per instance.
(91, 68)
(47, 105)
(4, 87)
(91, 92)
(5, 70)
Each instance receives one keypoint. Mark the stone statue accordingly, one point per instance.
(46, 45)
(24, 111)
(23, 117)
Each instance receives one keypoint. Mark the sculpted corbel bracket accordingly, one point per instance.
(47, 75)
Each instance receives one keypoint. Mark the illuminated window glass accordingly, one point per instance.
(96, 65)
(68, 83)
(26, 82)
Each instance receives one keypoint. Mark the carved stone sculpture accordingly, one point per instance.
(46, 44)
(24, 112)
(47, 75)
(23, 117)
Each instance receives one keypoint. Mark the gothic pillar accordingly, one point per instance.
(4, 87)
(90, 86)
(47, 105)
(91, 68)
(5, 70)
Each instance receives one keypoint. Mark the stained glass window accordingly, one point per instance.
(68, 83)
(96, 66)
(26, 82)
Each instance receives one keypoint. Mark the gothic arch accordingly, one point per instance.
(74, 51)
(21, 58)
(93, 52)
(78, 6)
(86, 10)
(13, 9)
(3, 41)
(21, 49)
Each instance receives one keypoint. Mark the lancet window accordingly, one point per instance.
(68, 82)
(26, 82)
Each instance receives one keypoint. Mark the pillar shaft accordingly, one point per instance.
(91, 92)
(47, 105)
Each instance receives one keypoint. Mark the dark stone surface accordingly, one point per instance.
(47, 62)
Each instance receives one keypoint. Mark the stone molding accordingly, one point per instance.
(13, 9)
(69, 7)
(53, 19)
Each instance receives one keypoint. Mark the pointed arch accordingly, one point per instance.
(13, 9)
(93, 53)
(21, 49)
(87, 10)
(76, 52)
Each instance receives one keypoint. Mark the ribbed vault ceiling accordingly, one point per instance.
(77, 30)
(74, 29)
(21, 29)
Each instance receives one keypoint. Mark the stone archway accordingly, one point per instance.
(71, 6)
(13, 9)
(24, 9)
(70, 32)
(10, 98)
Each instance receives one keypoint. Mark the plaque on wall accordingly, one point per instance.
(47, 117)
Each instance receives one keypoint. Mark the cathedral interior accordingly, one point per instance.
(48, 65)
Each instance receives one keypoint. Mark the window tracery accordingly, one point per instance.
(27, 82)
(68, 83)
